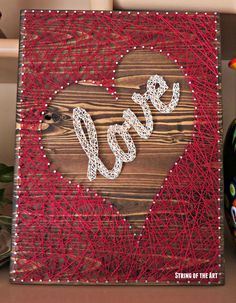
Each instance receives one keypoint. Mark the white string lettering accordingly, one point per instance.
(90, 145)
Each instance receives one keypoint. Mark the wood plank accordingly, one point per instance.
(133, 191)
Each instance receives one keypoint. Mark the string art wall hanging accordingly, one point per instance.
(118, 149)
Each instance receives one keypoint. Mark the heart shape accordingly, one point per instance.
(133, 191)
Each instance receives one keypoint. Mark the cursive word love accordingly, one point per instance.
(90, 145)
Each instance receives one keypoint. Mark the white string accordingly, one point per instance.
(90, 145)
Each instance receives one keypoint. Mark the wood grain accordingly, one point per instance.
(133, 191)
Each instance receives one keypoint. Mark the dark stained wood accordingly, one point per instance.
(133, 191)
(228, 36)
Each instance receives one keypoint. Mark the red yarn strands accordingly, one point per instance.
(63, 233)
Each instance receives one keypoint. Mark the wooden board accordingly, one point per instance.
(133, 191)
(65, 235)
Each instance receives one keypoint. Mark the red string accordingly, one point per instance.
(65, 233)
